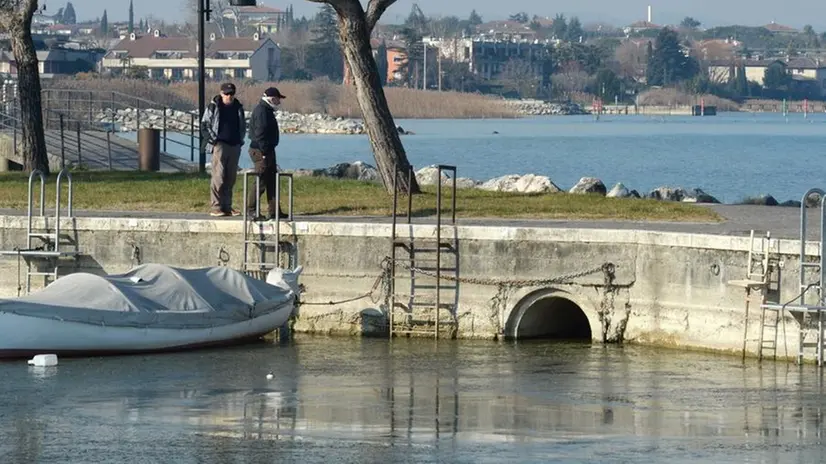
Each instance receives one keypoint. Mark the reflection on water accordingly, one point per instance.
(412, 401)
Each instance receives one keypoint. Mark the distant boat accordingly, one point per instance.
(151, 308)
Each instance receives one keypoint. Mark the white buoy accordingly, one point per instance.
(43, 360)
(270, 376)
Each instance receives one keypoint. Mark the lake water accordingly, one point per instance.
(353, 400)
(731, 156)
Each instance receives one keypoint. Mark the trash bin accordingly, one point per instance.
(149, 149)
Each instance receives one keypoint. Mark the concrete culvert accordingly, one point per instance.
(549, 318)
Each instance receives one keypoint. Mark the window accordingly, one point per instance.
(177, 74)
(239, 73)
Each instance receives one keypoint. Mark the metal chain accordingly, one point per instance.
(379, 279)
(606, 267)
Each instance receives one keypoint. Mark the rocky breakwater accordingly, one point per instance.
(543, 108)
(513, 183)
(128, 119)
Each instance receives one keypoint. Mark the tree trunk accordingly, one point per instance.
(381, 129)
(28, 88)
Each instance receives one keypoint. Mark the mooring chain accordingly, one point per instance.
(384, 279)
(607, 268)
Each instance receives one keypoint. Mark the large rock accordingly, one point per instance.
(699, 196)
(358, 170)
(762, 200)
(430, 176)
(514, 183)
(619, 191)
(589, 185)
(667, 194)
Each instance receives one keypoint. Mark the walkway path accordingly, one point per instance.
(739, 220)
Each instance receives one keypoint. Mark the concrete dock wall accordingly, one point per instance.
(665, 288)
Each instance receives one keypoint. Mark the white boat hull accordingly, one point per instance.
(23, 336)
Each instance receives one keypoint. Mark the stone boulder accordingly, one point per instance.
(619, 191)
(791, 204)
(358, 170)
(429, 176)
(589, 185)
(667, 194)
(762, 200)
(698, 196)
(514, 183)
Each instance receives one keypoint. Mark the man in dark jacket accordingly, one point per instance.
(225, 128)
(263, 140)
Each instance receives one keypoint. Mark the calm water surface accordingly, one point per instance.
(732, 155)
(350, 400)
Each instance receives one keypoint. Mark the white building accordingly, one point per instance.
(489, 57)
(176, 58)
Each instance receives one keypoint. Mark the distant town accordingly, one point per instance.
(522, 56)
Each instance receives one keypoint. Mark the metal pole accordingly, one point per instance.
(113, 111)
(203, 10)
(192, 138)
(79, 156)
(91, 96)
(164, 129)
(109, 148)
(62, 145)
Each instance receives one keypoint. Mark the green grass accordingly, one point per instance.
(137, 191)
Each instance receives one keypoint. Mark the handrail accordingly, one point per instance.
(104, 92)
(39, 173)
(803, 238)
(60, 175)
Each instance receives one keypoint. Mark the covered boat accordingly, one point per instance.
(153, 307)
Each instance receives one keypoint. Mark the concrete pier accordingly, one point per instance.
(669, 286)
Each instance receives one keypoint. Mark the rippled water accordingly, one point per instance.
(353, 400)
(731, 156)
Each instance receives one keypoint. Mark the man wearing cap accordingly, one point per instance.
(263, 140)
(225, 127)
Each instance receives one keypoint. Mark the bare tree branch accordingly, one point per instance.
(375, 9)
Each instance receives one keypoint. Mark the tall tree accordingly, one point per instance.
(668, 64)
(325, 52)
(690, 23)
(104, 24)
(574, 31)
(520, 17)
(355, 26)
(16, 21)
(69, 15)
(559, 27)
(58, 17)
(131, 17)
(776, 77)
(474, 19)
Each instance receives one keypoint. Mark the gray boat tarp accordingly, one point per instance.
(154, 295)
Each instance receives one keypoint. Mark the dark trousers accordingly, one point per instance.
(264, 165)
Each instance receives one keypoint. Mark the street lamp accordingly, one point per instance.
(203, 16)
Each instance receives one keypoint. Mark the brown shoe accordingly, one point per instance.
(234, 212)
(215, 213)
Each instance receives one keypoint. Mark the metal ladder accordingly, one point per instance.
(44, 244)
(809, 306)
(258, 235)
(762, 265)
(428, 261)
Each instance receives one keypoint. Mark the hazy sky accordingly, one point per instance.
(794, 13)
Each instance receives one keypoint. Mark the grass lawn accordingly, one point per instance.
(137, 191)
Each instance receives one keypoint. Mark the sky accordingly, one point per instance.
(795, 13)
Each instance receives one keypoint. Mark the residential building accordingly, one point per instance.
(488, 58)
(640, 27)
(780, 29)
(805, 71)
(56, 61)
(261, 18)
(176, 58)
(505, 30)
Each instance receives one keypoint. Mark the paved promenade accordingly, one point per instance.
(739, 220)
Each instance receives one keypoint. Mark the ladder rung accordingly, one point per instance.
(810, 264)
(41, 273)
(809, 344)
(42, 234)
(265, 265)
(434, 269)
(265, 242)
(434, 287)
(431, 304)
